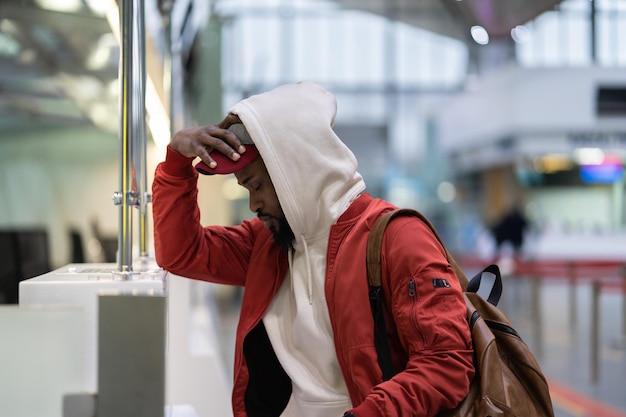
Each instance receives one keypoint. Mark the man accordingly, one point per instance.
(305, 342)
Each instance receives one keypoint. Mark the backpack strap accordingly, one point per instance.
(374, 275)
(380, 332)
(375, 244)
(488, 284)
(489, 278)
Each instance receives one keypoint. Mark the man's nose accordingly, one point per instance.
(256, 204)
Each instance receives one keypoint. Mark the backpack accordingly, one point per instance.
(508, 381)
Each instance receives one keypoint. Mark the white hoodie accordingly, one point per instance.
(315, 177)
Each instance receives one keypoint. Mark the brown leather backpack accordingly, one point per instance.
(508, 380)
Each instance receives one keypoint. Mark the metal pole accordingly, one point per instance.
(126, 197)
(594, 35)
(573, 305)
(536, 313)
(595, 332)
(622, 342)
(140, 136)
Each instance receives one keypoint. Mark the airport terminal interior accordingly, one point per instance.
(485, 115)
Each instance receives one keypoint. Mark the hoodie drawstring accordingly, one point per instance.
(309, 273)
(290, 260)
(308, 269)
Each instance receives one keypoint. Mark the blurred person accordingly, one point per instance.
(511, 228)
(305, 338)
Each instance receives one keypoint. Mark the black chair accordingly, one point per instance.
(9, 268)
(78, 254)
(23, 254)
(109, 248)
(33, 250)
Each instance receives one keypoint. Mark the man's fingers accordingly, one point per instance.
(210, 142)
(228, 121)
(201, 141)
(205, 155)
(223, 141)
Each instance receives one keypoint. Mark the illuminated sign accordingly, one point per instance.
(608, 172)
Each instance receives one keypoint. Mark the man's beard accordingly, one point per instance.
(283, 237)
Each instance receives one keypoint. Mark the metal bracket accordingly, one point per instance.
(131, 198)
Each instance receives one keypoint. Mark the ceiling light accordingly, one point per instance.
(589, 156)
(100, 56)
(480, 35)
(98, 6)
(446, 191)
(60, 5)
(520, 34)
(98, 59)
(551, 163)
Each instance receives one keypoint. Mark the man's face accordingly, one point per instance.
(264, 201)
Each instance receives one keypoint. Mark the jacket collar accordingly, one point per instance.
(355, 209)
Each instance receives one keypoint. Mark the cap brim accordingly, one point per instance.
(227, 166)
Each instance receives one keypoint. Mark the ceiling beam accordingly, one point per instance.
(499, 17)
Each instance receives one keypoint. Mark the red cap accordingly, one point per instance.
(227, 166)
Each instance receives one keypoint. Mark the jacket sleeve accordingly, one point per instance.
(182, 245)
(429, 314)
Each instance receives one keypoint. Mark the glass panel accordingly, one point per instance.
(577, 40)
(620, 43)
(575, 5)
(611, 36)
(549, 39)
(564, 37)
(347, 47)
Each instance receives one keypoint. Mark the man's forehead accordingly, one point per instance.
(257, 167)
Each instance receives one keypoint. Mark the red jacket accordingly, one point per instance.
(431, 345)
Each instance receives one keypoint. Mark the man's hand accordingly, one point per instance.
(202, 140)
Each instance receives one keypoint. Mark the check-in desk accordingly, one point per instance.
(116, 340)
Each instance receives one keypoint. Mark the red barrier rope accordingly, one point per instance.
(611, 274)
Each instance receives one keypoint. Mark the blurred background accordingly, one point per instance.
(468, 110)
(463, 109)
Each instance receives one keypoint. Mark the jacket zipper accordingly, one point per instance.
(413, 295)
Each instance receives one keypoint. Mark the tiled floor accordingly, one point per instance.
(561, 341)
(582, 354)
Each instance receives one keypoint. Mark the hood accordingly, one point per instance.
(314, 173)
